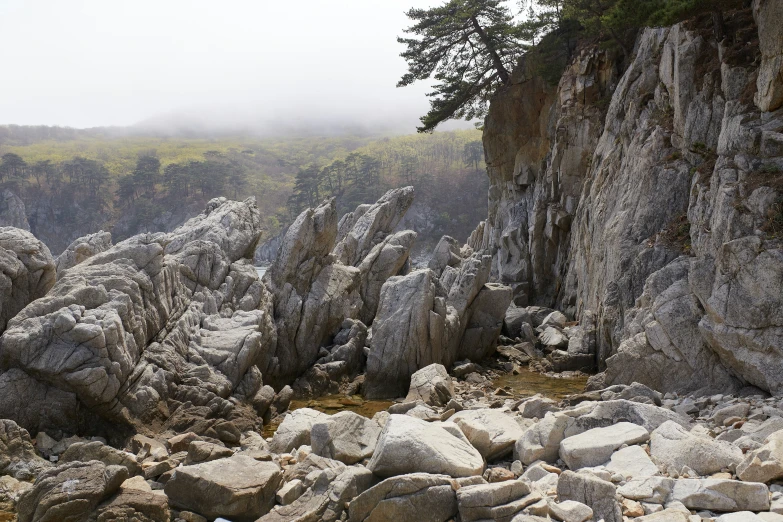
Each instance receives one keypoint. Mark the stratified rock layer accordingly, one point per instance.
(647, 204)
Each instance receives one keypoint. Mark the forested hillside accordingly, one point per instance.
(77, 181)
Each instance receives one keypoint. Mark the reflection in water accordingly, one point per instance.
(331, 404)
(529, 383)
(261, 271)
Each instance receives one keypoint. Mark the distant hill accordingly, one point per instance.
(76, 181)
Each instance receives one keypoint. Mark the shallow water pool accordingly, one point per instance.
(529, 383)
(331, 404)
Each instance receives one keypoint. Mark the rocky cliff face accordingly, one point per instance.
(660, 215)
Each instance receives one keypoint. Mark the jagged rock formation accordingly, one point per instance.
(12, 211)
(433, 316)
(538, 141)
(267, 250)
(659, 218)
(81, 249)
(27, 271)
(325, 273)
(153, 322)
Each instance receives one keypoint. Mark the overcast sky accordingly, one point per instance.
(85, 63)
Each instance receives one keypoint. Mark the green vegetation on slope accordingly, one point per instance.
(137, 179)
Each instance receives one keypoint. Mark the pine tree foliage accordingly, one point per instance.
(469, 47)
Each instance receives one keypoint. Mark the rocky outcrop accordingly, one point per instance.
(81, 249)
(238, 487)
(12, 211)
(646, 203)
(429, 317)
(27, 271)
(769, 84)
(320, 278)
(19, 458)
(153, 321)
(538, 140)
(70, 492)
(410, 445)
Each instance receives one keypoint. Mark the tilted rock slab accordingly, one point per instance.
(70, 492)
(410, 445)
(492, 432)
(345, 436)
(594, 447)
(672, 446)
(498, 501)
(240, 488)
(415, 497)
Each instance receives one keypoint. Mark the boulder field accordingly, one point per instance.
(634, 229)
(483, 455)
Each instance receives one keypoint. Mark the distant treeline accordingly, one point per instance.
(434, 164)
(145, 177)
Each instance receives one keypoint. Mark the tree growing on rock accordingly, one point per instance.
(469, 47)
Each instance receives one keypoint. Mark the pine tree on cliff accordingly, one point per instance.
(469, 47)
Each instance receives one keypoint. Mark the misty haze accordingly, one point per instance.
(391, 260)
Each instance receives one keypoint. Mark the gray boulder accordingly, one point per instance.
(415, 497)
(295, 430)
(631, 462)
(514, 320)
(492, 432)
(410, 445)
(431, 385)
(588, 489)
(765, 463)
(483, 322)
(720, 494)
(239, 488)
(672, 446)
(70, 492)
(345, 436)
